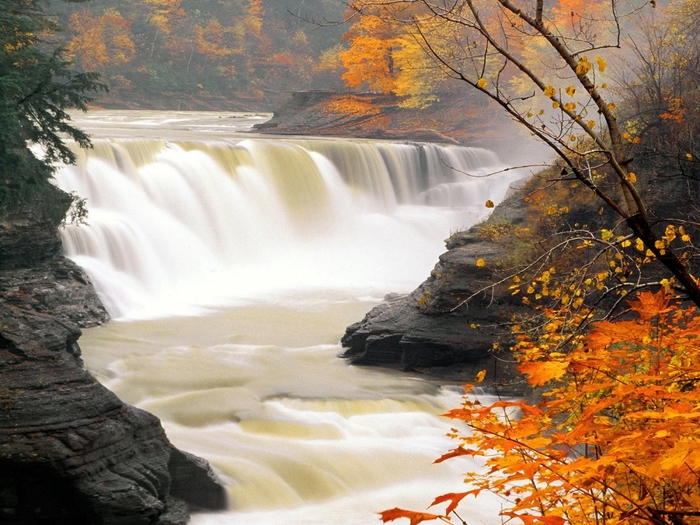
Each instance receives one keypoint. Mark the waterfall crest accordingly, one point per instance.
(176, 226)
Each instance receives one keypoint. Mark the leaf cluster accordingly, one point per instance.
(615, 438)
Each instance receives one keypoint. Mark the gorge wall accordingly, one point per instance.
(70, 451)
(447, 326)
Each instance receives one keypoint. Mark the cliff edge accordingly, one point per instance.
(70, 451)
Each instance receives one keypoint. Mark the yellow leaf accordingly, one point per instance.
(555, 104)
(666, 285)
(482, 83)
(591, 124)
(601, 63)
(480, 376)
(631, 177)
(570, 106)
(685, 238)
(571, 90)
(489, 204)
(549, 91)
(583, 66)
(689, 156)
(480, 263)
(670, 233)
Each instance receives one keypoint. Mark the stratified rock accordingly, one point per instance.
(57, 287)
(70, 450)
(28, 235)
(72, 453)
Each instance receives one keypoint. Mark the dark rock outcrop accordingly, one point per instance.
(70, 451)
(57, 287)
(448, 325)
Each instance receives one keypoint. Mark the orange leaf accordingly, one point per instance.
(460, 451)
(542, 372)
(535, 520)
(455, 498)
(415, 517)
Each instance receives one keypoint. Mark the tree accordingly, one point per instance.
(369, 60)
(547, 70)
(614, 438)
(101, 42)
(37, 87)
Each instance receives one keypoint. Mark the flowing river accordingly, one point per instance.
(231, 264)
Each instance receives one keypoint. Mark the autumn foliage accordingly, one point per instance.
(615, 438)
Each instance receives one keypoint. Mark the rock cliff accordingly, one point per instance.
(70, 451)
(447, 327)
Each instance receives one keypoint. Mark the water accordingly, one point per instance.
(232, 264)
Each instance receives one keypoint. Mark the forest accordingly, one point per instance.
(245, 54)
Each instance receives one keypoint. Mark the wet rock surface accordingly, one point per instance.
(447, 327)
(70, 451)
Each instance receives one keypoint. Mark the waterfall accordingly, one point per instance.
(176, 227)
(282, 243)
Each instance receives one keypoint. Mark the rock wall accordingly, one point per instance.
(447, 327)
(70, 451)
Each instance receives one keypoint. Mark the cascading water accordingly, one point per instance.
(233, 265)
(178, 224)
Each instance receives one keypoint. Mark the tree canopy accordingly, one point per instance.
(183, 52)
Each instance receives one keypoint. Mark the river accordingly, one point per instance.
(231, 264)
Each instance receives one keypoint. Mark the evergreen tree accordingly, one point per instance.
(37, 88)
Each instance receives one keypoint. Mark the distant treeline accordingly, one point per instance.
(256, 51)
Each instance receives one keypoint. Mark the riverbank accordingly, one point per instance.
(71, 452)
(459, 120)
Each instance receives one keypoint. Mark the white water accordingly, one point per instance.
(233, 264)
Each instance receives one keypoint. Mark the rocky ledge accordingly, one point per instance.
(447, 327)
(70, 451)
